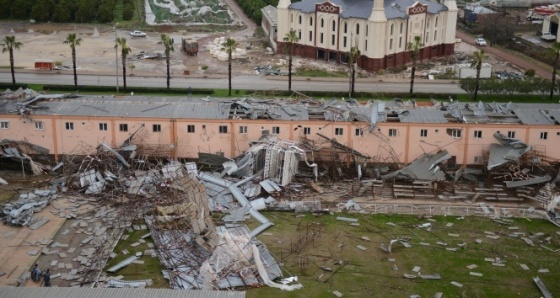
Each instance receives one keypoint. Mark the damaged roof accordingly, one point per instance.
(374, 111)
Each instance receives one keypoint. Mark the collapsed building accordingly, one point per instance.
(256, 154)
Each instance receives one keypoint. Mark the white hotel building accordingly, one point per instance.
(381, 29)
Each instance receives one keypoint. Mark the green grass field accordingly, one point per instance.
(305, 244)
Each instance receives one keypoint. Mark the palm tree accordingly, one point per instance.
(555, 49)
(414, 49)
(125, 50)
(229, 46)
(73, 42)
(291, 40)
(353, 55)
(168, 45)
(477, 63)
(9, 44)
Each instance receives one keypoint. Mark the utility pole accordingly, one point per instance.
(116, 58)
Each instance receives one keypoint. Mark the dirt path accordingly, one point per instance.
(511, 58)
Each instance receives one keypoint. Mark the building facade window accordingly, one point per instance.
(390, 44)
(222, 128)
(310, 35)
(299, 20)
(344, 41)
(190, 128)
(299, 35)
(391, 31)
(321, 38)
(478, 134)
(423, 133)
(392, 132)
(39, 125)
(544, 135)
(243, 129)
(4, 124)
(333, 39)
(427, 36)
(103, 126)
(456, 133)
(333, 25)
(365, 45)
(367, 30)
(307, 130)
(322, 23)
(436, 21)
(401, 28)
(511, 134)
(123, 127)
(357, 29)
(400, 42)
(435, 35)
(338, 131)
(156, 128)
(69, 125)
(359, 132)
(310, 21)
(276, 130)
(345, 27)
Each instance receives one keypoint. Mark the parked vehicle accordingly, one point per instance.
(480, 41)
(137, 33)
(547, 36)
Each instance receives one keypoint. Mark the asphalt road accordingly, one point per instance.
(252, 82)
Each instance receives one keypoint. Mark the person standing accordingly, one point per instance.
(47, 278)
(35, 273)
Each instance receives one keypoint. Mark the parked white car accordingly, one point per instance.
(480, 41)
(137, 33)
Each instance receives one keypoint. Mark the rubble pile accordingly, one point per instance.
(20, 212)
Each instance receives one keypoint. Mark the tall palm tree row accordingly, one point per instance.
(478, 58)
(73, 41)
(291, 40)
(9, 43)
(414, 48)
(353, 55)
(555, 49)
(125, 50)
(167, 43)
(229, 46)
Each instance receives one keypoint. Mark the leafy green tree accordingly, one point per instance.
(467, 84)
(128, 11)
(9, 44)
(5, 11)
(21, 9)
(74, 41)
(414, 48)
(555, 49)
(353, 55)
(167, 43)
(125, 50)
(64, 11)
(291, 39)
(478, 58)
(41, 10)
(105, 13)
(229, 46)
(86, 11)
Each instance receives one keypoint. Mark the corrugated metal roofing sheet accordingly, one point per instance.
(422, 116)
(361, 9)
(555, 114)
(154, 107)
(12, 292)
(533, 116)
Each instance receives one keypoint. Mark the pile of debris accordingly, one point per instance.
(20, 212)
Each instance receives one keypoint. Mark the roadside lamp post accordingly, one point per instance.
(116, 58)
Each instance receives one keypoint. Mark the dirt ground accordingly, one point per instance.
(96, 54)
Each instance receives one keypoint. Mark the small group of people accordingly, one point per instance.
(37, 275)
